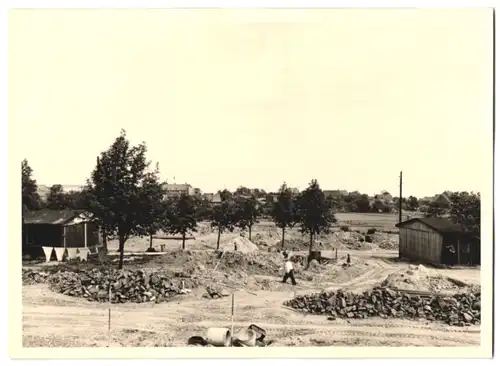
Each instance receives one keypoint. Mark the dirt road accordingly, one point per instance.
(54, 320)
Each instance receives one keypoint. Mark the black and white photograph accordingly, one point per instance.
(219, 179)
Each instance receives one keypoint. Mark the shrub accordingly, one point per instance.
(344, 228)
(371, 231)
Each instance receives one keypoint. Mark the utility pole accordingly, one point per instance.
(400, 196)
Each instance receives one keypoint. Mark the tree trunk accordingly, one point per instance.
(121, 248)
(183, 241)
(150, 240)
(218, 238)
(311, 242)
(104, 240)
(283, 237)
(249, 232)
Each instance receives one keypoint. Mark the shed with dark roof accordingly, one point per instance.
(57, 228)
(438, 241)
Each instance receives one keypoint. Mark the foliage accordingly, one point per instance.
(435, 210)
(362, 203)
(30, 198)
(283, 210)
(155, 208)
(412, 203)
(314, 212)
(371, 231)
(223, 217)
(247, 212)
(120, 191)
(466, 211)
(182, 216)
(345, 228)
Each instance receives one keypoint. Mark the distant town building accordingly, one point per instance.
(178, 189)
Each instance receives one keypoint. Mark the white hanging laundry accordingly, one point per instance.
(84, 253)
(72, 253)
(60, 253)
(48, 253)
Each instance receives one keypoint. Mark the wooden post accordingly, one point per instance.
(109, 316)
(400, 197)
(64, 236)
(85, 234)
(336, 254)
(232, 320)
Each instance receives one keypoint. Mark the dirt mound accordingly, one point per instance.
(460, 309)
(419, 278)
(386, 241)
(241, 244)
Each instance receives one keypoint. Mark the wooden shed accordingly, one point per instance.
(438, 241)
(57, 229)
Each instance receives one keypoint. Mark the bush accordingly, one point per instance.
(371, 231)
(368, 239)
(344, 228)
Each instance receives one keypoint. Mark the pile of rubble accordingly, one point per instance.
(457, 310)
(421, 278)
(117, 286)
(33, 276)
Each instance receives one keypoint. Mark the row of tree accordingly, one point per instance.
(126, 198)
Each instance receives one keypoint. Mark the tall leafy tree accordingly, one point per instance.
(412, 203)
(283, 211)
(247, 213)
(223, 217)
(182, 216)
(156, 210)
(466, 211)
(362, 203)
(119, 191)
(314, 212)
(30, 198)
(435, 210)
(57, 198)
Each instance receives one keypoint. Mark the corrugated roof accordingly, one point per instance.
(50, 217)
(438, 224)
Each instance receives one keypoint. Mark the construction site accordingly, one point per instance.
(355, 291)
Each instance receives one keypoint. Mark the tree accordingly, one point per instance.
(435, 210)
(466, 211)
(156, 207)
(243, 191)
(283, 211)
(30, 198)
(182, 216)
(314, 212)
(247, 213)
(119, 191)
(362, 203)
(412, 203)
(57, 199)
(222, 217)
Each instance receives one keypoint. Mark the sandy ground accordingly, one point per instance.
(55, 320)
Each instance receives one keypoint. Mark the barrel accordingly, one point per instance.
(219, 337)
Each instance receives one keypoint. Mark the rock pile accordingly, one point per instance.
(457, 310)
(32, 276)
(96, 283)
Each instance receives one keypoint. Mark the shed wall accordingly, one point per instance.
(420, 242)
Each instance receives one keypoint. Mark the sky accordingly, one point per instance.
(228, 98)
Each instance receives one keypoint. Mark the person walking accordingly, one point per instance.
(289, 271)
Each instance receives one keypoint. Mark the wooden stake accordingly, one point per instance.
(109, 317)
(232, 320)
